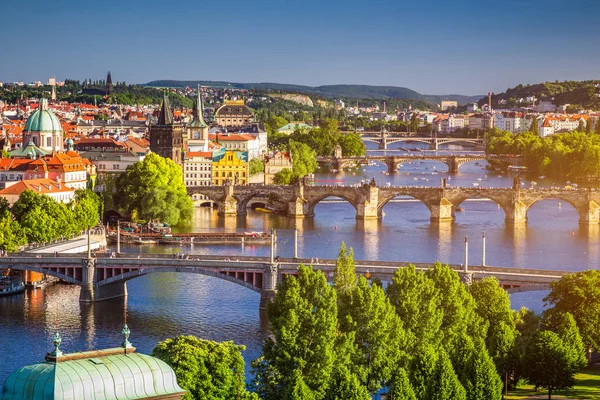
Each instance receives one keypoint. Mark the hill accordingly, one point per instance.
(581, 95)
(328, 91)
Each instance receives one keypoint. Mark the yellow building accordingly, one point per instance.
(232, 165)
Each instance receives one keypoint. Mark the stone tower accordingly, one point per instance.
(166, 137)
(197, 130)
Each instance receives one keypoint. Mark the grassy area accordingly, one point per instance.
(587, 386)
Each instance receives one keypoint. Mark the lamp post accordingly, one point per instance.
(118, 236)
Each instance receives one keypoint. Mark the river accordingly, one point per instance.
(169, 304)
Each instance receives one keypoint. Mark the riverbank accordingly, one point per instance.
(587, 386)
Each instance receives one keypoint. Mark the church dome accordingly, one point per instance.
(43, 120)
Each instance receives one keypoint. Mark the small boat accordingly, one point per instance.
(542, 176)
(460, 209)
(264, 210)
(144, 241)
(254, 234)
(476, 184)
(11, 285)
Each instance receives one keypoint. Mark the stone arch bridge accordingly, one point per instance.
(368, 200)
(104, 278)
(434, 142)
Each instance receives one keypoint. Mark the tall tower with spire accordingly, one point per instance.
(166, 137)
(108, 84)
(197, 129)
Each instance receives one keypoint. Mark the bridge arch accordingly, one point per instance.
(556, 197)
(124, 277)
(473, 194)
(312, 203)
(385, 199)
(47, 271)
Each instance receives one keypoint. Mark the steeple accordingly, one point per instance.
(166, 116)
(108, 83)
(198, 114)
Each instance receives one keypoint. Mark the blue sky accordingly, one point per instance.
(432, 46)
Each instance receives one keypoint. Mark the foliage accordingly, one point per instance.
(549, 362)
(579, 294)
(574, 155)
(444, 384)
(154, 189)
(344, 275)
(367, 316)
(11, 234)
(205, 369)
(564, 325)
(256, 166)
(283, 177)
(493, 305)
(485, 383)
(303, 320)
(87, 209)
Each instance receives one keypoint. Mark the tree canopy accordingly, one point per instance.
(153, 189)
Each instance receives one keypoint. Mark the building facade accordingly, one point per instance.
(276, 163)
(43, 128)
(234, 113)
(197, 168)
(230, 166)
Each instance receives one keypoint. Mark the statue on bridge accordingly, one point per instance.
(516, 183)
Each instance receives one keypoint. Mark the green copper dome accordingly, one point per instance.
(43, 120)
(110, 377)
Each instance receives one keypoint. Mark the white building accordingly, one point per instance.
(238, 142)
(197, 168)
(48, 187)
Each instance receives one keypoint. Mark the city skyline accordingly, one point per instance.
(469, 49)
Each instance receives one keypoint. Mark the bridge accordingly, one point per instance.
(434, 142)
(393, 162)
(104, 278)
(368, 200)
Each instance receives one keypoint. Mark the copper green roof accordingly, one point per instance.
(105, 374)
(29, 151)
(43, 120)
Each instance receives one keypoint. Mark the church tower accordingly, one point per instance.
(166, 137)
(108, 84)
(197, 129)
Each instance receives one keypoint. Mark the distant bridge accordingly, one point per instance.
(386, 138)
(452, 161)
(368, 200)
(105, 278)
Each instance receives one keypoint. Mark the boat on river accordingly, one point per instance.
(11, 285)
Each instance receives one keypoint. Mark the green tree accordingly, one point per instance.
(422, 370)
(417, 303)
(401, 388)
(207, 370)
(485, 383)
(534, 128)
(256, 166)
(303, 319)
(549, 363)
(564, 325)
(4, 205)
(304, 160)
(493, 306)
(344, 275)
(87, 208)
(154, 189)
(283, 177)
(377, 334)
(589, 126)
(581, 126)
(352, 145)
(579, 294)
(297, 389)
(11, 234)
(444, 384)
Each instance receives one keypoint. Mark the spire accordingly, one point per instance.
(198, 113)
(166, 116)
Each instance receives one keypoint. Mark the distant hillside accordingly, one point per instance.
(330, 91)
(584, 94)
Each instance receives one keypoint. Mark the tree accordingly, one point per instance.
(564, 325)
(534, 128)
(579, 294)
(581, 126)
(352, 145)
(87, 208)
(205, 369)
(256, 166)
(304, 160)
(11, 234)
(485, 383)
(597, 128)
(548, 363)
(154, 189)
(417, 303)
(368, 318)
(422, 369)
(444, 384)
(493, 306)
(4, 205)
(589, 126)
(344, 275)
(283, 177)
(304, 321)
(401, 387)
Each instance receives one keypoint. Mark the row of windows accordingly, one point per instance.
(197, 176)
(198, 183)
(196, 168)
(229, 174)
